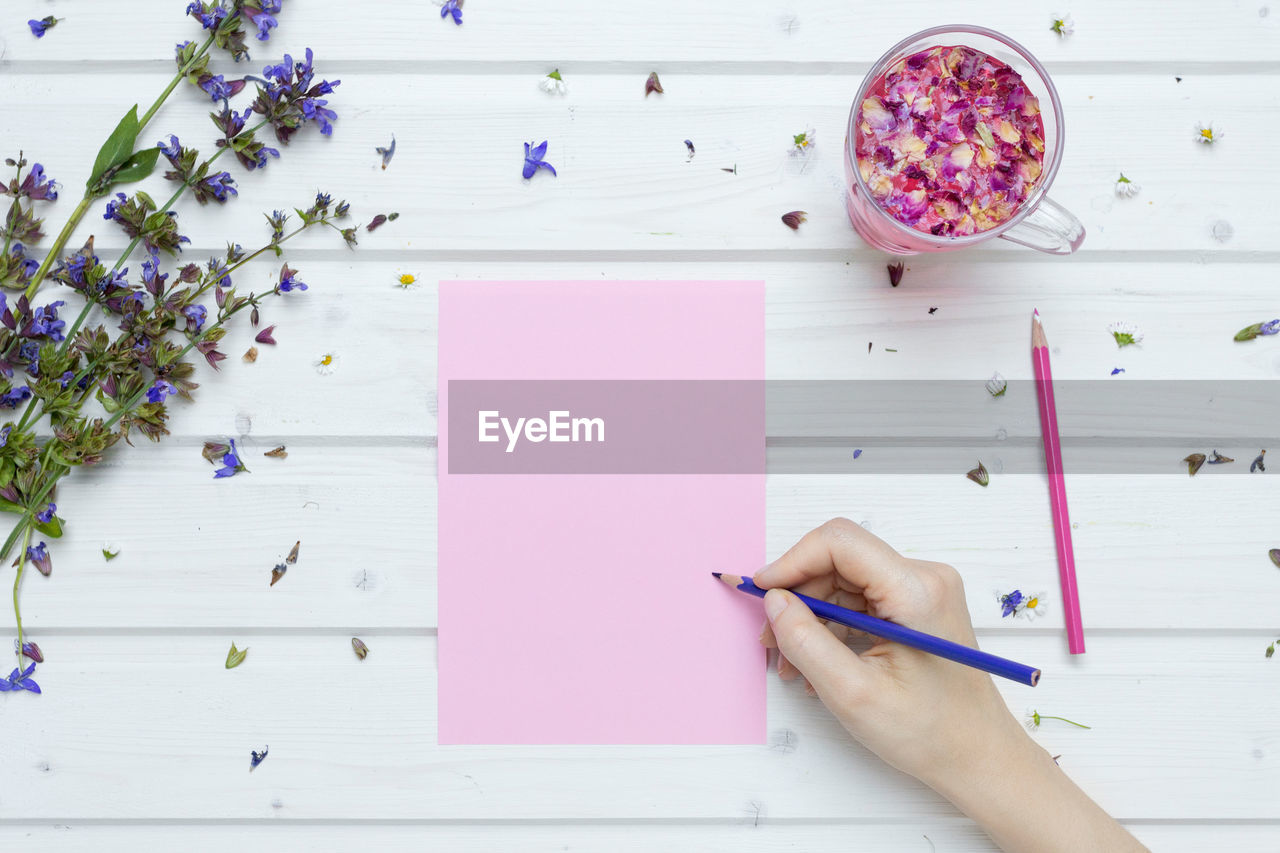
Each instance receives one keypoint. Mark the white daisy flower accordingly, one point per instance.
(327, 363)
(553, 84)
(1125, 333)
(1206, 135)
(1032, 606)
(110, 551)
(1063, 26)
(802, 143)
(997, 385)
(1126, 188)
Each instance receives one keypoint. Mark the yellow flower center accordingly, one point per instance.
(326, 360)
(1207, 133)
(407, 279)
(1031, 602)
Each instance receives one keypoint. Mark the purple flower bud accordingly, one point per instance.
(265, 337)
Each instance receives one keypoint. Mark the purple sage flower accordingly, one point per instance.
(195, 315)
(11, 398)
(38, 29)
(231, 464)
(38, 555)
(1009, 603)
(533, 159)
(160, 390)
(20, 681)
(45, 515)
(454, 8)
(1270, 328)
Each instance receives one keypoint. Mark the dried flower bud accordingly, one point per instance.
(235, 657)
(1194, 461)
(1217, 458)
(293, 553)
(895, 273)
(250, 355)
(793, 219)
(1274, 554)
(358, 646)
(1271, 650)
(31, 650)
(253, 316)
(652, 84)
(996, 385)
(277, 573)
(979, 475)
(1257, 464)
(376, 223)
(214, 451)
(278, 453)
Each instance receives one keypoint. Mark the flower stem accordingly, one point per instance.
(17, 583)
(1065, 720)
(55, 251)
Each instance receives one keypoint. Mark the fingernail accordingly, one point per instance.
(762, 575)
(774, 603)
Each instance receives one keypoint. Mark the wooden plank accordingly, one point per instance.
(820, 319)
(666, 32)
(269, 835)
(350, 737)
(625, 184)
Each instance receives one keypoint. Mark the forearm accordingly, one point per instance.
(1028, 805)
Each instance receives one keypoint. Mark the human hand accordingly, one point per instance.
(924, 715)
(938, 720)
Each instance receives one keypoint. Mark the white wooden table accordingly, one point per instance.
(142, 739)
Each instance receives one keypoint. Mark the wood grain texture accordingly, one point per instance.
(143, 737)
(625, 185)
(351, 737)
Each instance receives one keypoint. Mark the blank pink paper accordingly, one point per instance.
(579, 608)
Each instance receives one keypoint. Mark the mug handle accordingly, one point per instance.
(1050, 228)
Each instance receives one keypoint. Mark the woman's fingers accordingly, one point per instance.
(839, 546)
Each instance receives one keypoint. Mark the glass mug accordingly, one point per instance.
(1039, 222)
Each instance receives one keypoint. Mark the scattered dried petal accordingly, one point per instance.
(895, 273)
(256, 758)
(933, 310)
(1274, 554)
(1115, 371)
(997, 385)
(1271, 650)
(979, 475)
(293, 553)
(358, 646)
(652, 84)
(1217, 458)
(857, 452)
(278, 453)
(277, 573)
(265, 336)
(235, 657)
(250, 355)
(1257, 463)
(688, 143)
(1194, 461)
(793, 219)
(376, 223)
(388, 152)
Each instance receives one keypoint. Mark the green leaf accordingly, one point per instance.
(137, 167)
(117, 148)
(52, 528)
(235, 657)
(1248, 333)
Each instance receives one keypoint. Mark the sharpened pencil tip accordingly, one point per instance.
(1035, 312)
(715, 574)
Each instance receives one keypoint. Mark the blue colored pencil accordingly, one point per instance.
(993, 664)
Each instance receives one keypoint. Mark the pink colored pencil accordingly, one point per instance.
(1057, 486)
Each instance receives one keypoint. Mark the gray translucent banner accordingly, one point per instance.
(893, 427)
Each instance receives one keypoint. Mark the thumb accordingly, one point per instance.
(829, 665)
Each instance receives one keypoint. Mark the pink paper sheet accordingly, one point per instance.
(579, 609)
